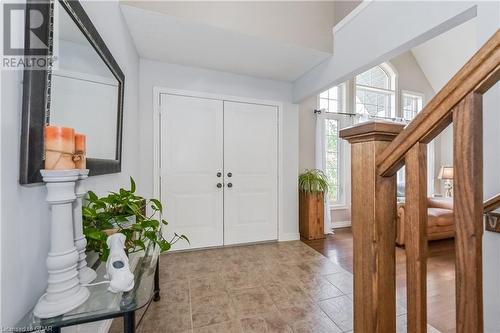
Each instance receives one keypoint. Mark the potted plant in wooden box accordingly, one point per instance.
(313, 185)
(124, 212)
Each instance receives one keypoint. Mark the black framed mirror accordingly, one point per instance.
(82, 88)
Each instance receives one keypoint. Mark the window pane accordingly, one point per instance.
(331, 99)
(412, 104)
(333, 106)
(323, 103)
(332, 158)
(374, 77)
(333, 93)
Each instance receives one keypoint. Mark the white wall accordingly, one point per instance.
(386, 29)
(153, 73)
(25, 215)
(441, 57)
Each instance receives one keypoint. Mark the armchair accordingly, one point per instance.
(440, 223)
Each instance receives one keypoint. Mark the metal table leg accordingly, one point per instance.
(156, 296)
(129, 322)
(54, 330)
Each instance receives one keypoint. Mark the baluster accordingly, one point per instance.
(373, 227)
(468, 212)
(416, 238)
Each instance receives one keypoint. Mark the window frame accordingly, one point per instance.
(392, 92)
(341, 158)
(341, 100)
(412, 93)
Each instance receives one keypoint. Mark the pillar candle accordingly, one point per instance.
(59, 148)
(80, 151)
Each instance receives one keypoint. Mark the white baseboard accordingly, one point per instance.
(341, 224)
(289, 237)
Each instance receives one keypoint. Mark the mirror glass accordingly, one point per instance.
(84, 91)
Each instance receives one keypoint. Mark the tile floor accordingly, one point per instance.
(275, 287)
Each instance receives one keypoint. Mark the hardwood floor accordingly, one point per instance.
(440, 274)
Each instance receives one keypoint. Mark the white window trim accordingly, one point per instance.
(409, 92)
(341, 202)
(395, 106)
(342, 100)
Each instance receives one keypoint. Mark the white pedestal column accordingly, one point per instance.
(85, 273)
(64, 292)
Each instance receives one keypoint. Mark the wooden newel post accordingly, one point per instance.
(373, 227)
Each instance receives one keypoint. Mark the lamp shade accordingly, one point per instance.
(446, 172)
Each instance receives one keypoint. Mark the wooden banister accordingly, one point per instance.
(377, 152)
(491, 204)
(479, 74)
(373, 228)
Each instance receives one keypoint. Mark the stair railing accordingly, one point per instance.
(379, 150)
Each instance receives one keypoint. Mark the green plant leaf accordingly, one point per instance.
(164, 245)
(313, 180)
(132, 185)
(185, 238)
(157, 205)
(92, 196)
(97, 235)
(154, 224)
(140, 244)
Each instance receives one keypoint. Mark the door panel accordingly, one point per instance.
(251, 156)
(191, 156)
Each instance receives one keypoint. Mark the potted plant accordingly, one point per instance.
(124, 212)
(313, 184)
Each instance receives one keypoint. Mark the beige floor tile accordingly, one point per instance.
(242, 279)
(209, 285)
(342, 280)
(227, 327)
(270, 322)
(170, 320)
(301, 311)
(339, 309)
(176, 293)
(213, 309)
(251, 302)
(318, 288)
(286, 292)
(321, 325)
(275, 287)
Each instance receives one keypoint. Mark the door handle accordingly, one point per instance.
(229, 185)
(219, 185)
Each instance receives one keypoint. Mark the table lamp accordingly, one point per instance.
(446, 174)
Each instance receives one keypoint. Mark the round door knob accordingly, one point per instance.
(219, 174)
(229, 174)
(229, 184)
(219, 185)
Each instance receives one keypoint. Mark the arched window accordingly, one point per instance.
(376, 92)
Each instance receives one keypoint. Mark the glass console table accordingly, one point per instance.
(103, 304)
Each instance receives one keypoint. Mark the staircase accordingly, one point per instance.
(379, 150)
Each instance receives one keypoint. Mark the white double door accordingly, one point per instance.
(219, 170)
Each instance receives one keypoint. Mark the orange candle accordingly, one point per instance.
(80, 151)
(59, 148)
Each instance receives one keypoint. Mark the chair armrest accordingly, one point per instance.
(400, 225)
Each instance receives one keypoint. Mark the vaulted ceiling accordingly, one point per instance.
(272, 39)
